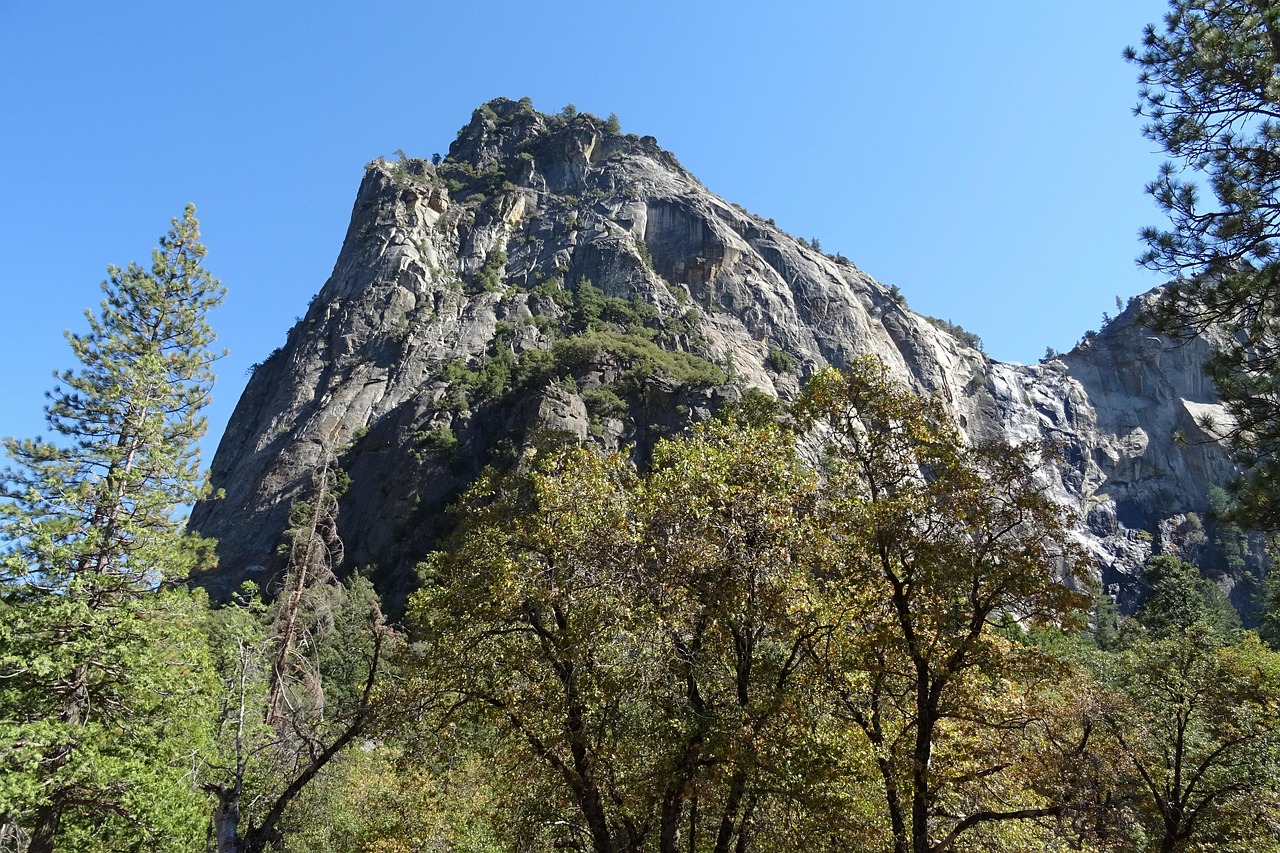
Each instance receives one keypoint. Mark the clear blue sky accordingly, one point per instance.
(981, 156)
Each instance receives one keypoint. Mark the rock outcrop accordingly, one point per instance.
(554, 275)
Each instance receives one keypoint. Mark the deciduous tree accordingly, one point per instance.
(641, 640)
(1193, 709)
(728, 571)
(942, 550)
(527, 625)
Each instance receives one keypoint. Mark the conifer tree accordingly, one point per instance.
(102, 680)
(1192, 704)
(1210, 92)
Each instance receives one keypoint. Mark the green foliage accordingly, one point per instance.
(781, 361)
(936, 544)
(1195, 723)
(612, 636)
(1269, 610)
(1187, 704)
(756, 408)
(1208, 91)
(463, 181)
(520, 632)
(104, 688)
(1178, 599)
(641, 358)
(492, 379)
(391, 798)
(588, 301)
(406, 170)
(960, 333)
(1230, 542)
(298, 675)
(604, 403)
(439, 438)
(615, 329)
(1104, 621)
(489, 277)
(743, 664)
(594, 311)
(552, 289)
(642, 249)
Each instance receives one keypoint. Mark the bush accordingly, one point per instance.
(781, 361)
(552, 290)
(604, 403)
(489, 278)
(755, 409)
(641, 358)
(642, 249)
(440, 438)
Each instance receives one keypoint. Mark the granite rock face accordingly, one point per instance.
(551, 276)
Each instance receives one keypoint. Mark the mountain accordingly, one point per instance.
(555, 275)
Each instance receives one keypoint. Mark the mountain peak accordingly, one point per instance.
(554, 275)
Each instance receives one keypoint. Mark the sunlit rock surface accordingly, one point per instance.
(420, 289)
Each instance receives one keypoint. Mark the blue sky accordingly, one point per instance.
(981, 156)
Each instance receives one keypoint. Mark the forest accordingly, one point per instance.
(825, 624)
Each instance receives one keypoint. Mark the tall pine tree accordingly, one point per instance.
(102, 678)
(1209, 88)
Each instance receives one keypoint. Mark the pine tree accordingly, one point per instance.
(1178, 599)
(103, 684)
(1211, 95)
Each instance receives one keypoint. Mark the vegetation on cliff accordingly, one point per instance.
(824, 625)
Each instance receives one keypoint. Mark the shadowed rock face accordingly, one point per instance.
(451, 334)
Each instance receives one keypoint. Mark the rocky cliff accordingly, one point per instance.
(555, 275)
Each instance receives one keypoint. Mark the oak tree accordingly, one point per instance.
(942, 547)
(1193, 711)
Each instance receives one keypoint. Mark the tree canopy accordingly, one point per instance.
(104, 682)
(1210, 93)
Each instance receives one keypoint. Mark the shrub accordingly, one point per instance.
(551, 289)
(489, 278)
(781, 361)
(955, 330)
(642, 249)
(440, 438)
(604, 403)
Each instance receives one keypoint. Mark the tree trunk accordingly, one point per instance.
(728, 818)
(226, 823)
(926, 720)
(669, 825)
(45, 831)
